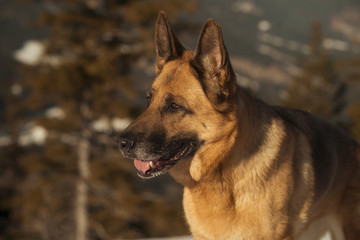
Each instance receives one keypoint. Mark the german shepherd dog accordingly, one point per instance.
(249, 170)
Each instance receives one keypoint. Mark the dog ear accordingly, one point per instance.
(212, 63)
(168, 46)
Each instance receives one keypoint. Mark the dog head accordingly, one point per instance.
(191, 107)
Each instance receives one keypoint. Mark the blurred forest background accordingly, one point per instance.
(75, 72)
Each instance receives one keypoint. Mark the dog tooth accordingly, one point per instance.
(151, 164)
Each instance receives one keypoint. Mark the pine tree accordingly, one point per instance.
(76, 185)
(317, 88)
(11, 174)
(354, 112)
(350, 69)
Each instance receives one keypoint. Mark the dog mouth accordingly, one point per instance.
(153, 168)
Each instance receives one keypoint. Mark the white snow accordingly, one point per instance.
(119, 124)
(16, 89)
(336, 44)
(246, 7)
(5, 140)
(101, 125)
(326, 236)
(55, 113)
(30, 53)
(33, 135)
(171, 238)
(104, 124)
(264, 25)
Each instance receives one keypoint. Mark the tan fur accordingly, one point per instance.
(262, 172)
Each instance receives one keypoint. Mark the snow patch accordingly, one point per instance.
(246, 7)
(119, 124)
(33, 135)
(101, 125)
(30, 53)
(55, 113)
(104, 124)
(16, 90)
(264, 26)
(5, 140)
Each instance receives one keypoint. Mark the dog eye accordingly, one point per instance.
(173, 107)
(148, 97)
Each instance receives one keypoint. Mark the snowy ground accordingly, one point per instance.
(326, 236)
(170, 238)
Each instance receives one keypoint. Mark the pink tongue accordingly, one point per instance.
(142, 166)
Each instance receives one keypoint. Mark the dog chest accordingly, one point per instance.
(217, 218)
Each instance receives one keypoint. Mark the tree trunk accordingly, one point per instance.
(83, 151)
(82, 187)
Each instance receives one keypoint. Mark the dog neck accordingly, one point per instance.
(242, 134)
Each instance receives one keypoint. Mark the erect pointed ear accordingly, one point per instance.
(168, 46)
(212, 63)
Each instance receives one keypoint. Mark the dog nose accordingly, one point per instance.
(125, 143)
